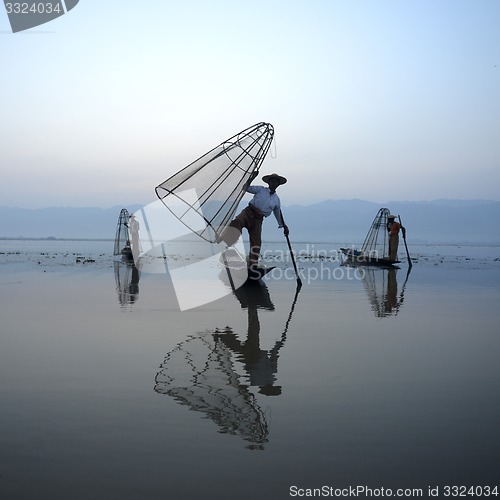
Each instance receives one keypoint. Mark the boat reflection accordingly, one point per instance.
(213, 372)
(127, 278)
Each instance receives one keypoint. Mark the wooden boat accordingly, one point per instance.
(237, 267)
(356, 257)
(258, 273)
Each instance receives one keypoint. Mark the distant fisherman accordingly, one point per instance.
(393, 228)
(264, 202)
(134, 234)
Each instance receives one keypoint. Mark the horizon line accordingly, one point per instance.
(434, 200)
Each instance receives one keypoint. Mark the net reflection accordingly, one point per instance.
(382, 288)
(200, 374)
(127, 278)
(213, 372)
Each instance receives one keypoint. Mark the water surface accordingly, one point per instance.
(377, 378)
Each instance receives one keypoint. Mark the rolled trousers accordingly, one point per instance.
(251, 218)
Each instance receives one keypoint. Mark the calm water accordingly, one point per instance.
(363, 378)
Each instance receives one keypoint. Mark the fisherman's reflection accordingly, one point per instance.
(382, 289)
(202, 372)
(127, 277)
(391, 298)
(260, 365)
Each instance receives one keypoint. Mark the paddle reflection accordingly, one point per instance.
(214, 372)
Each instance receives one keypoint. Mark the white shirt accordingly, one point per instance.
(266, 202)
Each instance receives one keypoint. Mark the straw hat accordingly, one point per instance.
(391, 216)
(267, 178)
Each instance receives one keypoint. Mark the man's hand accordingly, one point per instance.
(253, 175)
(286, 232)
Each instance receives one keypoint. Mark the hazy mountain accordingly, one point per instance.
(345, 221)
(61, 222)
(440, 221)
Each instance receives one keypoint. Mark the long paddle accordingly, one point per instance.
(299, 281)
(403, 230)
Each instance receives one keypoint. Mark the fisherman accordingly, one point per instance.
(393, 228)
(264, 202)
(133, 225)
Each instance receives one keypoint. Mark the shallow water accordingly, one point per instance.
(363, 377)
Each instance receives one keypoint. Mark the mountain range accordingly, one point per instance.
(346, 221)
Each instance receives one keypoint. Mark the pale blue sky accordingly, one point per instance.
(378, 100)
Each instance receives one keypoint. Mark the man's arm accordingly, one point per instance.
(253, 189)
(281, 222)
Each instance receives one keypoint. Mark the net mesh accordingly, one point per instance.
(122, 241)
(205, 195)
(376, 243)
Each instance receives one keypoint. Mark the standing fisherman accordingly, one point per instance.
(264, 202)
(393, 228)
(134, 234)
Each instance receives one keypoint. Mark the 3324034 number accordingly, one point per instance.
(34, 8)
(470, 491)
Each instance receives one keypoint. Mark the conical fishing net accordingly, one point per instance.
(127, 281)
(376, 243)
(122, 236)
(205, 195)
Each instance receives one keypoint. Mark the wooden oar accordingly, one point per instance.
(299, 281)
(403, 230)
